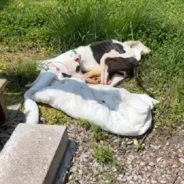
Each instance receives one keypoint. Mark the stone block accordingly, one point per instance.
(33, 154)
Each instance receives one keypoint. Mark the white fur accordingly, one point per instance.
(64, 63)
(132, 49)
(87, 62)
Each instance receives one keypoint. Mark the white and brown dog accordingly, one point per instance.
(110, 60)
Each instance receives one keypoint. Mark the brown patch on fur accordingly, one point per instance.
(119, 65)
(92, 77)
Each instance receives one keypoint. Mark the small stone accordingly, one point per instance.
(153, 181)
(73, 169)
(140, 177)
(131, 182)
(43, 120)
(181, 160)
(80, 171)
(94, 179)
(142, 163)
(155, 147)
(119, 159)
(149, 168)
(129, 142)
(120, 178)
(139, 181)
(180, 150)
(70, 177)
(129, 178)
(135, 177)
(159, 159)
(145, 169)
(130, 159)
(167, 144)
(124, 179)
(151, 164)
(163, 181)
(123, 143)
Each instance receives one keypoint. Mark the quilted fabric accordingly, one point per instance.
(114, 109)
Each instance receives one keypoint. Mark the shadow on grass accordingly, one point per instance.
(17, 81)
(13, 98)
(3, 3)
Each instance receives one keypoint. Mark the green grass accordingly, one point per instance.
(58, 25)
(96, 132)
(103, 153)
(18, 73)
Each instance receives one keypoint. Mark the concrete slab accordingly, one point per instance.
(32, 154)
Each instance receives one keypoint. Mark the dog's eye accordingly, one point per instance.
(77, 69)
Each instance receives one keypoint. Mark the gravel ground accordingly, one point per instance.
(161, 159)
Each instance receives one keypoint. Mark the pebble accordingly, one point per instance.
(131, 182)
(163, 181)
(129, 142)
(181, 160)
(124, 179)
(129, 178)
(139, 181)
(153, 181)
(159, 159)
(151, 164)
(167, 144)
(149, 168)
(142, 163)
(120, 177)
(135, 177)
(155, 147)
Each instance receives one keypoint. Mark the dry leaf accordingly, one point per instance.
(136, 142)
(175, 162)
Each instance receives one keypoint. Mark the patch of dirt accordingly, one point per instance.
(23, 54)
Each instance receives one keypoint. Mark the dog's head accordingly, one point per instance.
(141, 47)
(71, 65)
